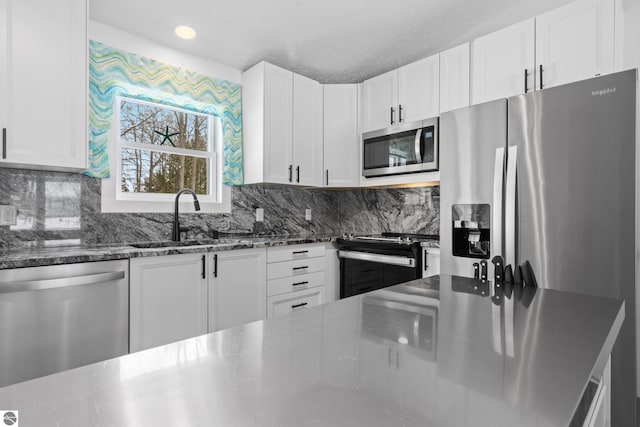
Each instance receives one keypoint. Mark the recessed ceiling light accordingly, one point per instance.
(185, 32)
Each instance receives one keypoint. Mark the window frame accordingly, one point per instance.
(116, 200)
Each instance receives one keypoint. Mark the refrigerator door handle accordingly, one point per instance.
(510, 207)
(498, 184)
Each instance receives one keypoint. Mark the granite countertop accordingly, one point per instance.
(41, 256)
(431, 352)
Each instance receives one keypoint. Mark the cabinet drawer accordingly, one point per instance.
(297, 283)
(294, 268)
(286, 303)
(294, 252)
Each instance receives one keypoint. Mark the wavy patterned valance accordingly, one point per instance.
(113, 72)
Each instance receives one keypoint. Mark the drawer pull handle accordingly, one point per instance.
(300, 252)
(301, 268)
(300, 283)
(302, 304)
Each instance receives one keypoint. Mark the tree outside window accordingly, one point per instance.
(164, 149)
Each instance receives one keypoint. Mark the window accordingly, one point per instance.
(164, 149)
(159, 150)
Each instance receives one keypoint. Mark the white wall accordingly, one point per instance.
(144, 47)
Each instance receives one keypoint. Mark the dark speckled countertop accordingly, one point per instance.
(41, 256)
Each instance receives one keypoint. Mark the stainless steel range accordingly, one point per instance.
(376, 261)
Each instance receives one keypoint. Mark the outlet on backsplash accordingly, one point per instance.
(259, 214)
(307, 214)
(8, 215)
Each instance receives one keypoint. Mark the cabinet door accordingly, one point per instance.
(332, 275)
(278, 127)
(168, 299)
(575, 42)
(307, 131)
(341, 135)
(454, 78)
(44, 49)
(433, 262)
(380, 101)
(418, 90)
(237, 289)
(499, 61)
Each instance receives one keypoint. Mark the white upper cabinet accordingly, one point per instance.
(43, 83)
(407, 94)
(575, 42)
(571, 43)
(281, 145)
(503, 62)
(341, 135)
(278, 119)
(454, 78)
(418, 89)
(307, 131)
(380, 101)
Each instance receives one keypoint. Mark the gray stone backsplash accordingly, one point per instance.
(65, 207)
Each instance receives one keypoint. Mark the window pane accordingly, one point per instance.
(152, 172)
(153, 124)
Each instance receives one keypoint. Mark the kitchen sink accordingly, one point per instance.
(170, 243)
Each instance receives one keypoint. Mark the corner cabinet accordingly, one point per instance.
(237, 288)
(567, 44)
(407, 94)
(43, 83)
(341, 138)
(282, 126)
(168, 300)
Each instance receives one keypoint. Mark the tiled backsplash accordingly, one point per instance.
(66, 207)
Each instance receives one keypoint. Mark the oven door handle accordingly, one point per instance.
(382, 259)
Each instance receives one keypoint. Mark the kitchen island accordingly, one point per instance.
(431, 352)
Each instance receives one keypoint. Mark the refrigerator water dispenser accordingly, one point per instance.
(471, 230)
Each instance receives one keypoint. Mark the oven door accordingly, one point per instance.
(362, 272)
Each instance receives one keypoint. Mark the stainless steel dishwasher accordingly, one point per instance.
(60, 317)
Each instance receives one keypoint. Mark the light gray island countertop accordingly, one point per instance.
(432, 352)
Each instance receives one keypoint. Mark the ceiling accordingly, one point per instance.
(332, 41)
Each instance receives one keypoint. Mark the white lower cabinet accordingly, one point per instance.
(332, 275)
(175, 297)
(286, 303)
(432, 264)
(237, 288)
(295, 278)
(168, 300)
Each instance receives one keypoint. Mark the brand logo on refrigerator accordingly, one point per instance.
(602, 92)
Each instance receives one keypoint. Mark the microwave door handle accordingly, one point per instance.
(418, 146)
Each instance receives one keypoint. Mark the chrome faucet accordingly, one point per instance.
(175, 233)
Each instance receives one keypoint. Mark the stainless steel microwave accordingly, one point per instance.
(407, 148)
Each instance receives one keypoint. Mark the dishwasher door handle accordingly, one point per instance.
(62, 282)
(382, 259)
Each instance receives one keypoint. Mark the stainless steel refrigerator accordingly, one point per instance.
(549, 177)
